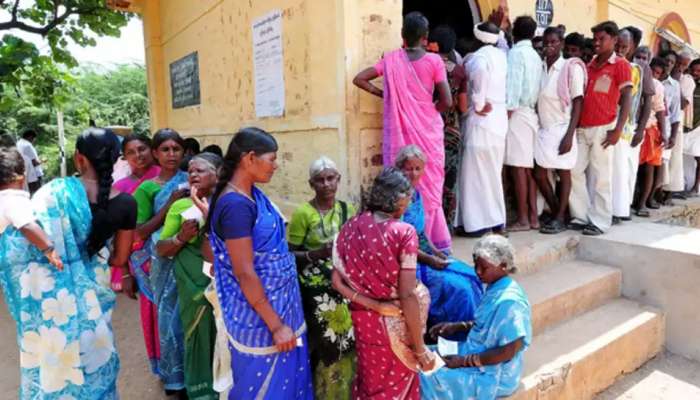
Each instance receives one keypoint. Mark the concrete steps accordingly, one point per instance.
(585, 355)
(585, 335)
(533, 251)
(561, 292)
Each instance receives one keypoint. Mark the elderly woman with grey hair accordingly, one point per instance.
(310, 235)
(455, 290)
(375, 268)
(489, 363)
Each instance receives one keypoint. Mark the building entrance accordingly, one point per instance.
(461, 15)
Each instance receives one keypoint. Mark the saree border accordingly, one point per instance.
(261, 351)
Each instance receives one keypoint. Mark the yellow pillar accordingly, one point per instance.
(602, 10)
(155, 67)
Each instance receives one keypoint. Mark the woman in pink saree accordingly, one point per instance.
(411, 116)
(374, 260)
(136, 150)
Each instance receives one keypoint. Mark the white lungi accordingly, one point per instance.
(596, 163)
(676, 176)
(547, 148)
(625, 166)
(621, 196)
(481, 201)
(691, 143)
(520, 141)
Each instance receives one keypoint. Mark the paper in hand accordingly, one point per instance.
(193, 213)
(206, 269)
(447, 347)
(439, 363)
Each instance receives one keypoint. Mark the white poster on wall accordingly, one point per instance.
(268, 65)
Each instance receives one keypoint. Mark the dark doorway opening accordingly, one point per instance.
(459, 14)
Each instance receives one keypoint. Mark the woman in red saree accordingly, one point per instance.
(411, 116)
(375, 268)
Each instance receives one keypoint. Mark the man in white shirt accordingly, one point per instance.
(481, 204)
(555, 146)
(522, 88)
(33, 172)
(674, 180)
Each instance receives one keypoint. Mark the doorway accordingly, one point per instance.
(461, 15)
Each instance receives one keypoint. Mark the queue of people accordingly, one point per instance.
(345, 302)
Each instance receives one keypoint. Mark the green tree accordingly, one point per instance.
(62, 21)
(109, 97)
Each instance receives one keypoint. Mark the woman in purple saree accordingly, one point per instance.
(411, 76)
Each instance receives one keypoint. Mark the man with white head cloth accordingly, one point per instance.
(481, 205)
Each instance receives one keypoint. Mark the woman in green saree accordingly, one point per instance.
(310, 234)
(181, 239)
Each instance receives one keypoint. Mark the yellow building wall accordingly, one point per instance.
(220, 31)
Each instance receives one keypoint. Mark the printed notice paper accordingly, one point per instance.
(268, 65)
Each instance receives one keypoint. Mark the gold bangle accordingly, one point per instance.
(354, 296)
(125, 275)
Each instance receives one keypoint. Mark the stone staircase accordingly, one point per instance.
(586, 335)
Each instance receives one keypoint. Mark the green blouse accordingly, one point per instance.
(144, 196)
(311, 230)
(173, 220)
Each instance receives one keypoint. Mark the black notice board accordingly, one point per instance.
(184, 81)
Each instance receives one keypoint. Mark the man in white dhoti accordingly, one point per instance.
(522, 88)
(673, 155)
(559, 108)
(687, 84)
(626, 151)
(481, 203)
(601, 127)
(692, 138)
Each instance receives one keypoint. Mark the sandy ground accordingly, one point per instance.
(666, 377)
(135, 378)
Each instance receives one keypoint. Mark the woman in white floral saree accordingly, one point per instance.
(63, 317)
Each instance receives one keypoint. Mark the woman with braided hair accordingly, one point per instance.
(63, 318)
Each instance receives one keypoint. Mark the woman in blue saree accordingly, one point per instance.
(256, 277)
(163, 331)
(63, 318)
(489, 362)
(455, 290)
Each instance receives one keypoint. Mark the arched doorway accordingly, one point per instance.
(670, 32)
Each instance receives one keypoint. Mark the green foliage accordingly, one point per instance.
(114, 97)
(61, 21)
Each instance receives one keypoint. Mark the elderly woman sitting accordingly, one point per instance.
(310, 234)
(455, 290)
(489, 363)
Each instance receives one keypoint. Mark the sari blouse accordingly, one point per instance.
(371, 254)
